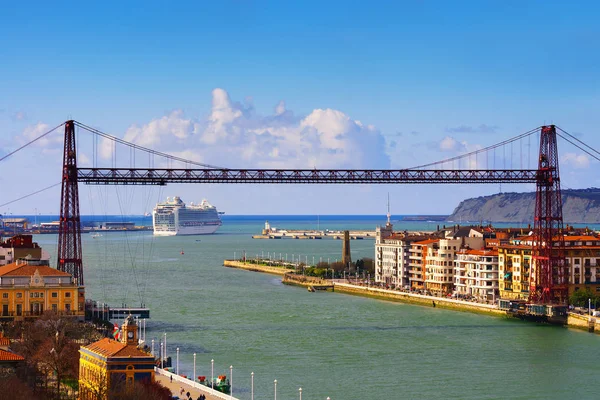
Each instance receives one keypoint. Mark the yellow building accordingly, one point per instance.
(108, 366)
(514, 269)
(30, 287)
(582, 253)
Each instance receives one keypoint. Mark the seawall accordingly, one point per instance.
(418, 299)
(257, 267)
(584, 322)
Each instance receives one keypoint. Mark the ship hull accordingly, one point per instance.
(189, 230)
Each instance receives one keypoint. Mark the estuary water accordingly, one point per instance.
(329, 344)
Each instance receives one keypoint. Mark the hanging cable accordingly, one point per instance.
(577, 140)
(507, 141)
(138, 147)
(580, 148)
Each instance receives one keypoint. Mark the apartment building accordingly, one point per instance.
(392, 251)
(439, 263)
(20, 246)
(476, 274)
(418, 260)
(582, 254)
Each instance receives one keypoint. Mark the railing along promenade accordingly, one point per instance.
(190, 384)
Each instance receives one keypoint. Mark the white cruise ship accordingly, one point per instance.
(173, 217)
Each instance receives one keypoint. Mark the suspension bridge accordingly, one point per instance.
(549, 275)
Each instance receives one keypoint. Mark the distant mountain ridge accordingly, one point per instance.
(579, 206)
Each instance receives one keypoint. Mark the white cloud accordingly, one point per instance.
(49, 141)
(233, 135)
(449, 144)
(161, 132)
(280, 108)
(579, 161)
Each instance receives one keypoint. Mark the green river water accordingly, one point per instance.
(330, 344)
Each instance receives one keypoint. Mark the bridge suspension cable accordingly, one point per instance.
(478, 151)
(141, 148)
(30, 194)
(596, 157)
(31, 142)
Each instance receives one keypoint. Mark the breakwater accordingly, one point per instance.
(311, 234)
(258, 267)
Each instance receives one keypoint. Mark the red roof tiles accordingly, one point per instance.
(10, 356)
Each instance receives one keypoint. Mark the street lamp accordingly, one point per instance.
(162, 358)
(275, 383)
(165, 353)
(194, 367)
(177, 369)
(231, 381)
(252, 386)
(300, 390)
(212, 382)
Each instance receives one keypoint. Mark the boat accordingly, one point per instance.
(221, 383)
(96, 235)
(174, 217)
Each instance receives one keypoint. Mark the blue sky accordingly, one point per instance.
(259, 84)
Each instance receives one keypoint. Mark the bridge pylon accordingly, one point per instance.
(549, 271)
(69, 231)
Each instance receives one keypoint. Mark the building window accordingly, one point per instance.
(67, 294)
(5, 295)
(54, 295)
(19, 295)
(54, 307)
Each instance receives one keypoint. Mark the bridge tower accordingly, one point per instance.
(549, 271)
(69, 231)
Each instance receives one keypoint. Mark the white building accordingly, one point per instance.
(392, 251)
(439, 265)
(476, 274)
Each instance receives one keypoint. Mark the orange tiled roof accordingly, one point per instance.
(428, 241)
(10, 356)
(113, 348)
(482, 252)
(132, 351)
(583, 238)
(15, 269)
(4, 341)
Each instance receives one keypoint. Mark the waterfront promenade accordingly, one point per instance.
(195, 389)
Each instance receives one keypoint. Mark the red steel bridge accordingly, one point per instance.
(549, 275)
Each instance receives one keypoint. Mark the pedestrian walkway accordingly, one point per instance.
(194, 388)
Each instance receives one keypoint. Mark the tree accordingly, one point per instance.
(141, 390)
(50, 344)
(60, 356)
(580, 298)
(369, 265)
(338, 266)
(14, 388)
